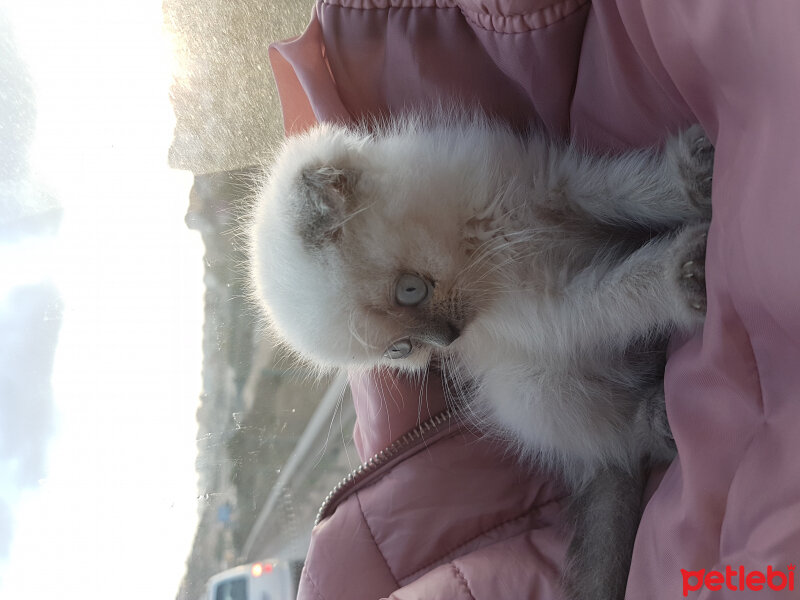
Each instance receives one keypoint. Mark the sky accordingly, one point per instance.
(101, 307)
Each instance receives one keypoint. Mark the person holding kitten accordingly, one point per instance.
(448, 513)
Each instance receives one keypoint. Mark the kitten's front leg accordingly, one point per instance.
(660, 190)
(658, 288)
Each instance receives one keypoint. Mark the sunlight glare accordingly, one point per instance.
(121, 483)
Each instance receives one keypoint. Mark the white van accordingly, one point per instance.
(265, 580)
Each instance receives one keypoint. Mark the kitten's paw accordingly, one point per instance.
(694, 157)
(688, 270)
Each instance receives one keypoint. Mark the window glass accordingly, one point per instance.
(142, 411)
(232, 589)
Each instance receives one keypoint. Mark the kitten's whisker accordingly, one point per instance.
(398, 392)
(356, 213)
(384, 374)
(457, 383)
(321, 452)
(514, 258)
(352, 327)
(499, 236)
(496, 246)
(340, 408)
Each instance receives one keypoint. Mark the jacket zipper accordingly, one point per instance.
(403, 444)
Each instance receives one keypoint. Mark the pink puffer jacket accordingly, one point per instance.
(457, 518)
(443, 513)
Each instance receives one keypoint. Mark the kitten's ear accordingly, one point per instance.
(327, 195)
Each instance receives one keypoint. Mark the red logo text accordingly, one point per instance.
(738, 579)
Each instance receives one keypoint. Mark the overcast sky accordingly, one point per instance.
(100, 306)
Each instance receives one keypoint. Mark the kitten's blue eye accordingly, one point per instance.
(400, 349)
(410, 290)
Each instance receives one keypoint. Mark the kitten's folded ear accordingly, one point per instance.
(327, 196)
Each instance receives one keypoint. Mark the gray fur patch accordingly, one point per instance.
(326, 195)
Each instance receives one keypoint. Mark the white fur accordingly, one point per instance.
(508, 228)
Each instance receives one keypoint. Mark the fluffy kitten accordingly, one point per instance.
(545, 282)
